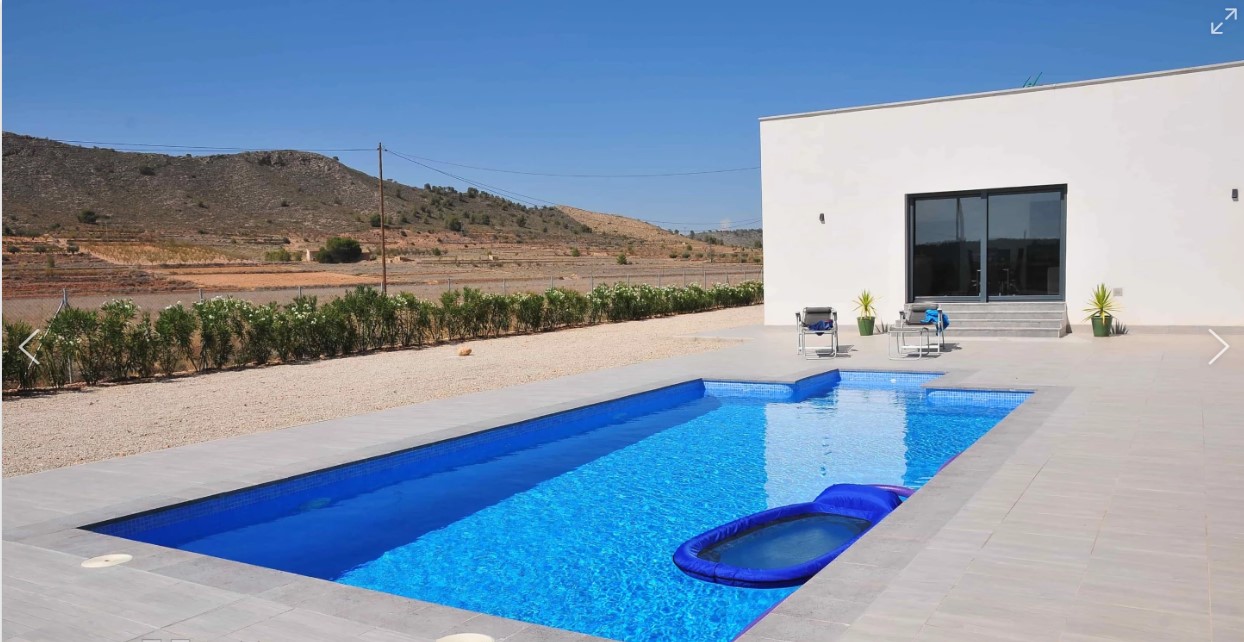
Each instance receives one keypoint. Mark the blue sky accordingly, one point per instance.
(564, 87)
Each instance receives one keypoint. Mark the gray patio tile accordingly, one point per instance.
(967, 632)
(1181, 597)
(824, 609)
(38, 616)
(1228, 628)
(874, 628)
(950, 539)
(536, 633)
(378, 609)
(298, 625)
(1126, 623)
(497, 627)
(226, 619)
(777, 626)
(1115, 535)
(382, 635)
(226, 574)
(1050, 549)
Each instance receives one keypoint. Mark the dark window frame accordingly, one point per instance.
(909, 253)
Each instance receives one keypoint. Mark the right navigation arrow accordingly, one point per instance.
(1225, 347)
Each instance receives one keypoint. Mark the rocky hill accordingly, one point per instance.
(739, 238)
(55, 187)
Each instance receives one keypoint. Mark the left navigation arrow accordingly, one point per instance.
(22, 347)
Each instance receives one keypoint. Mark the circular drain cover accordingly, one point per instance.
(467, 637)
(111, 559)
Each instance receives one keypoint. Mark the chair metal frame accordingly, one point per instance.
(906, 326)
(813, 315)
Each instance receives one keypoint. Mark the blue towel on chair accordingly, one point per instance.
(821, 326)
(931, 316)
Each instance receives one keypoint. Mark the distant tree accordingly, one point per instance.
(453, 224)
(284, 203)
(375, 220)
(88, 216)
(574, 251)
(758, 244)
(339, 249)
(146, 170)
(622, 260)
(436, 251)
(281, 255)
(522, 221)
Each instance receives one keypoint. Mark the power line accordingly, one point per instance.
(530, 200)
(643, 175)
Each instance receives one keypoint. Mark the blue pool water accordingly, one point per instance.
(571, 520)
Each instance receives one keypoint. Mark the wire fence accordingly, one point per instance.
(38, 310)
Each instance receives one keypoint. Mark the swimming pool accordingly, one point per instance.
(570, 520)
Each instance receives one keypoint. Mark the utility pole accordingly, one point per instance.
(384, 261)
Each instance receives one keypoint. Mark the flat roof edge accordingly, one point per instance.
(1007, 92)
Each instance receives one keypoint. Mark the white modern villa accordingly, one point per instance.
(1025, 195)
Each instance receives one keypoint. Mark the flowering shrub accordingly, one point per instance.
(216, 325)
(174, 328)
(117, 341)
(529, 311)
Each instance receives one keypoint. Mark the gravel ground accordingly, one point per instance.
(110, 421)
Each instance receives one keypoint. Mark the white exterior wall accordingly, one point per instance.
(1149, 163)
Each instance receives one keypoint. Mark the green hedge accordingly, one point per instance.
(118, 341)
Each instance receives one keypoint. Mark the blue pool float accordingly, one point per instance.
(784, 546)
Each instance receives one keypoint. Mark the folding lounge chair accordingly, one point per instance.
(818, 321)
(916, 315)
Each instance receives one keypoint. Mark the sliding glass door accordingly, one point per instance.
(987, 245)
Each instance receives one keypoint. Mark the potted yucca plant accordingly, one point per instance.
(866, 304)
(1101, 310)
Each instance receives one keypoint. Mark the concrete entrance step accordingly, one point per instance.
(1046, 319)
(953, 333)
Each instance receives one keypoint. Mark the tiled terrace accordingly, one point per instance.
(1107, 507)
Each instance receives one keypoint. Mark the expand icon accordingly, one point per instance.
(1215, 29)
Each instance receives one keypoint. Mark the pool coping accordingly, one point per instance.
(855, 579)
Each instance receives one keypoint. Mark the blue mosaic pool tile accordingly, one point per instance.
(887, 379)
(987, 398)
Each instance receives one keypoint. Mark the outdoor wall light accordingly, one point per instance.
(823, 216)
(1235, 196)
